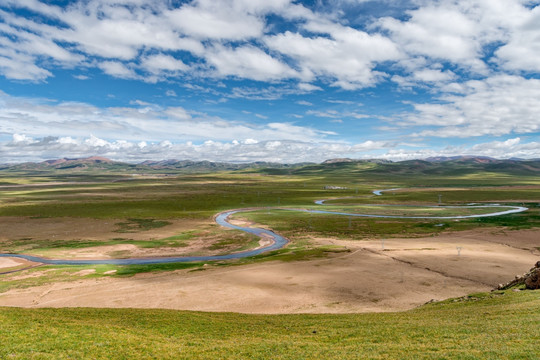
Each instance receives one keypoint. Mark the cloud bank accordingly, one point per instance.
(444, 77)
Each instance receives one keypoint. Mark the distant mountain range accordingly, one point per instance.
(478, 159)
(437, 159)
(102, 163)
(441, 166)
(429, 165)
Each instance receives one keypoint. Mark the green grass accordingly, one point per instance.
(217, 239)
(501, 325)
(297, 224)
(432, 211)
(136, 225)
(201, 196)
(246, 242)
(31, 246)
(460, 196)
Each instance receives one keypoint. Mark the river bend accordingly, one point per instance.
(278, 241)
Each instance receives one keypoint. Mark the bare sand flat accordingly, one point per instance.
(404, 274)
(6, 262)
(132, 251)
(12, 265)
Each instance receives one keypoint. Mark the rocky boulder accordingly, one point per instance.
(530, 279)
(533, 280)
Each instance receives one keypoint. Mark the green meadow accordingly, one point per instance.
(499, 325)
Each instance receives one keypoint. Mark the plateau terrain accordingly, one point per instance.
(413, 240)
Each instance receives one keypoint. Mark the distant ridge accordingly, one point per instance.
(432, 165)
(348, 160)
(478, 159)
(87, 160)
(209, 165)
(97, 162)
(103, 163)
(337, 160)
(461, 165)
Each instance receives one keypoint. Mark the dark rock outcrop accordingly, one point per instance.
(530, 279)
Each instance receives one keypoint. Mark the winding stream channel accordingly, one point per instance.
(278, 241)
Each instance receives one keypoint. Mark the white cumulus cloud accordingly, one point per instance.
(499, 105)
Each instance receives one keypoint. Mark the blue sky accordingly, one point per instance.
(256, 80)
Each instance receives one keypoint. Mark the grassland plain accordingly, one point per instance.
(483, 326)
(499, 325)
(140, 205)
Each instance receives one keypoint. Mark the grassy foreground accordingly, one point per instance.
(501, 325)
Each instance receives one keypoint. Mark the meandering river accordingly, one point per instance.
(278, 241)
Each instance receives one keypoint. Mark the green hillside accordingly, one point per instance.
(485, 326)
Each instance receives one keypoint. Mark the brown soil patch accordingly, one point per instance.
(241, 222)
(40, 229)
(84, 272)
(403, 275)
(26, 275)
(33, 231)
(521, 239)
(197, 246)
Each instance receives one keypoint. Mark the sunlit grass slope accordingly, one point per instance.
(483, 326)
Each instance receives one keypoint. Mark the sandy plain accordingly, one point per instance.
(396, 275)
